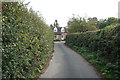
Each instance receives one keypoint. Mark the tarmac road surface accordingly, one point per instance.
(66, 63)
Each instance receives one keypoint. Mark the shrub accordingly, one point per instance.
(57, 40)
(27, 41)
(105, 43)
(105, 40)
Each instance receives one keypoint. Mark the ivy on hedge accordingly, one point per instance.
(105, 43)
(27, 41)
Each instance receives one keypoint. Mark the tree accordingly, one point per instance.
(56, 23)
(51, 26)
(81, 25)
(111, 20)
(93, 19)
(107, 22)
(118, 20)
(101, 24)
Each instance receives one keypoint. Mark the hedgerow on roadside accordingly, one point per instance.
(27, 41)
(100, 47)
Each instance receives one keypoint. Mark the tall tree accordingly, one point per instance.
(107, 22)
(93, 19)
(56, 23)
(51, 26)
(80, 25)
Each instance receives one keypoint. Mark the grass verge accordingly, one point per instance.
(107, 69)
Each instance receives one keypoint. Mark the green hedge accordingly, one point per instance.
(105, 43)
(57, 40)
(27, 41)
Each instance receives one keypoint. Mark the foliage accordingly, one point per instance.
(27, 41)
(103, 46)
(93, 19)
(81, 25)
(57, 40)
(107, 22)
(56, 23)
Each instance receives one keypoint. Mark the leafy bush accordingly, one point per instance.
(107, 22)
(57, 40)
(78, 24)
(105, 44)
(27, 41)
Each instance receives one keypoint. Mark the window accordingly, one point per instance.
(55, 37)
(62, 37)
(62, 30)
(55, 29)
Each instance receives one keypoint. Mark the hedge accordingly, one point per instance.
(57, 40)
(105, 43)
(27, 41)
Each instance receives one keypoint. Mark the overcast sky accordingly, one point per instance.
(62, 10)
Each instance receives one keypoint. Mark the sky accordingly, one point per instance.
(63, 10)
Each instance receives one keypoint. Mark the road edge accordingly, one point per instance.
(99, 73)
(46, 65)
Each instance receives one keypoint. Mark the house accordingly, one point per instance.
(60, 33)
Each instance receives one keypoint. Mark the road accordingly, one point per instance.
(68, 64)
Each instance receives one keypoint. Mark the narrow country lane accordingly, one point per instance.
(68, 64)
